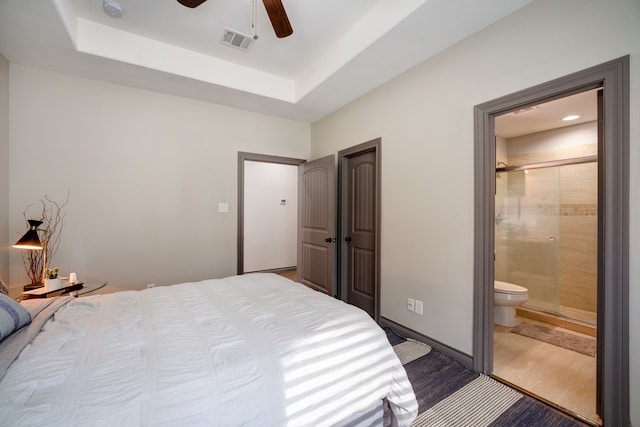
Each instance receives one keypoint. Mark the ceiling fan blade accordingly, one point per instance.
(191, 3)
(278, 17)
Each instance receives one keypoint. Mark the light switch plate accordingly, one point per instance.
(223, 207)
(419, 307)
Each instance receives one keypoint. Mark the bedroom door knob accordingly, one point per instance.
(330, 239)
(347, 239)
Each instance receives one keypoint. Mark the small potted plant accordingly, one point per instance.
(51, 280)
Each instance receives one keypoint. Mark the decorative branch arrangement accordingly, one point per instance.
(52, 218)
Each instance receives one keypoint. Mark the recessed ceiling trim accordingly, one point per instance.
(380, 20)
(108, 42)
(69, 19)
(188, 66)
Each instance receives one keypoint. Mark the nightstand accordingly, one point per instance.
(74, 289)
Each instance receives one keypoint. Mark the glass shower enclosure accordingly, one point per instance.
(546, 234)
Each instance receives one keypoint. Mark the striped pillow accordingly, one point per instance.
(12, 316)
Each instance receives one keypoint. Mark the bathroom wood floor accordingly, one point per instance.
(561, 376)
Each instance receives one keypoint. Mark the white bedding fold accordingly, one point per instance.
(41, 310)
(246, 350)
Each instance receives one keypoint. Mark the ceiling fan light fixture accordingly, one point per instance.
(113, 8)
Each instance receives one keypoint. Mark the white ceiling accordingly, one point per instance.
(340, 49)
(549, 115)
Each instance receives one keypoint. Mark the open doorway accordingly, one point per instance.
(612, 386)
(546, 251)
(267, 212)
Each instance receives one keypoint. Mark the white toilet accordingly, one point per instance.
(506, 297)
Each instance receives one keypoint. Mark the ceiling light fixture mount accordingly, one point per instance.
(113, 8)
(254, 19)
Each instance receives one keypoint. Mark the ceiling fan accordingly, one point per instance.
(275, 10)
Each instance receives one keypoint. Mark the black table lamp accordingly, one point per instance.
(30, 240)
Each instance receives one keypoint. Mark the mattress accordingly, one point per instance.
(256, 349)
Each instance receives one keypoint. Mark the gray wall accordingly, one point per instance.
(425, 119)
(145, 172)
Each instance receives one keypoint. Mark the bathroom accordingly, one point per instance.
(546, 243)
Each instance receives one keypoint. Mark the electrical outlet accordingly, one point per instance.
(151, 285)
(419, 307)
(410, 303)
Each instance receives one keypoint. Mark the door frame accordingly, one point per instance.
(374, 145)
(242, 156)
(613, 289)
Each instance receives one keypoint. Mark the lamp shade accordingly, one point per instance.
(30, 240)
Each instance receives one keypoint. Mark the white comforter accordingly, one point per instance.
(256, 350)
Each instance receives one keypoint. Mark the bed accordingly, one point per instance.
(256, 349)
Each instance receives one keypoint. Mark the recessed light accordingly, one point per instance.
(571, 117)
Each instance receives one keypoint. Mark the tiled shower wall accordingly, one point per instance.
(577, 231)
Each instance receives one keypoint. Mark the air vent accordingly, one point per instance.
(525, 110)
(235, 39)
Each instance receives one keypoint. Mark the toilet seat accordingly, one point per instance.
(508, 288)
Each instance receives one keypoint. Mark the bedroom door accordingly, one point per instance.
(360, 226)
(316, 224)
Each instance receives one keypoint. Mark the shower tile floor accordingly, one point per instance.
(558, 375)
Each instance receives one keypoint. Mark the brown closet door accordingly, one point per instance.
(316, 224)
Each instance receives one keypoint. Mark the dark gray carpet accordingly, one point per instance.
(450, 395)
